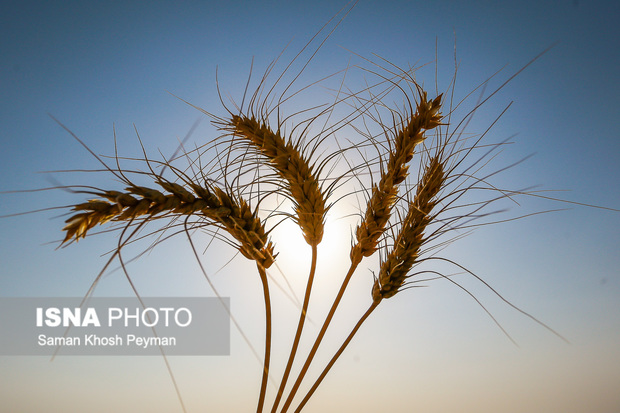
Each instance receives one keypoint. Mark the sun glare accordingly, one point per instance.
(295, 253)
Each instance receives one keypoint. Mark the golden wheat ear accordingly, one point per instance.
(290, 164)
(408, 242)
(230, 212)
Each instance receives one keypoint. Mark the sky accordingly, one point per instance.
(114, 68)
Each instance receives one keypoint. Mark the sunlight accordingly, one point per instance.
(293, 251)
(336, 244)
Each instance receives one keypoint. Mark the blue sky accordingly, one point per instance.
(97, 66)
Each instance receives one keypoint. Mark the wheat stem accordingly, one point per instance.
(319, 338)
(344, 345)
(263, 388)
(399, 262)
(300, 325)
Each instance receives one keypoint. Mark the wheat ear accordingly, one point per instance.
(384, 194)
(230, 212)
(288, 161)
(407, 244)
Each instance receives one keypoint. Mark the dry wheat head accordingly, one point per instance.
(409, 240)
(290, 164)
(384, 194)
(232, 213)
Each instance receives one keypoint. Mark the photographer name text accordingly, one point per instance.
(94, 340)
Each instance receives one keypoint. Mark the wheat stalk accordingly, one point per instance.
(290, 164)
(404, 254)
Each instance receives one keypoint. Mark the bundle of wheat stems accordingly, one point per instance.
(403, 219)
